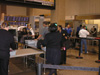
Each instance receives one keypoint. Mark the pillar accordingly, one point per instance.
(58, 15)
(2, 11)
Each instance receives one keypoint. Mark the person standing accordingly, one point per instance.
(77, 35)
(52, 41)
(68, 30)
(24, 34)
(30, 30)
(94, 31)
(78, 29)
(83, 34)
(44, 31)
(63, 44)
(6, 42)
(42, 35)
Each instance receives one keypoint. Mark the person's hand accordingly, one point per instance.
(35, 39)
(41, 46)
(65, 37)
(71, 36)
(24, 35)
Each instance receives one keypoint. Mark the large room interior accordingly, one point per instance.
(16, 13)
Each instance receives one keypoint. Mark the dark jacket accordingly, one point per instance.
(53, 45)
(6, 41)
(64, 34)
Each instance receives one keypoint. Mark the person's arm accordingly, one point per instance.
(39, 37)
(45, 41)
(66, 34)
(95, 31)
(79, 33)
(31, 30)
(41, 34)
(87, 33)
(71, 32)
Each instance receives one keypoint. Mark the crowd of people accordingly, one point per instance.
(53, 37)
(56, 40)
(83, 32)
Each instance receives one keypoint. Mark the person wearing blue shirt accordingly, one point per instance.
(78, 29)
(69, 30)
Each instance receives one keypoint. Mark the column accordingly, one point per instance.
(58, 15)
(2, 11)
(29, 12)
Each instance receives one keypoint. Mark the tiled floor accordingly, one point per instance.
(17, 67)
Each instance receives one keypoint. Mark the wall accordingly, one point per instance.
(16, 10)
(58, 15)
(37, 12)
(2, 11)
(82, 7)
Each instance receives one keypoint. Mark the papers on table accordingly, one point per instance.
(13, 53)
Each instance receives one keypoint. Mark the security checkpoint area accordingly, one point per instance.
(49, 37)
(85, 65)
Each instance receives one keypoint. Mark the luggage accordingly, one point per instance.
(32, 43)
(63, 57)
(39, 43)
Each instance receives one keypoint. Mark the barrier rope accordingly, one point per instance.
(70, 67)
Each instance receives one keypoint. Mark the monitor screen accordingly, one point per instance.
(46, 4)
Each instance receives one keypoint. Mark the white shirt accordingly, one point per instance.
(1, 22)
(21, 28)
(31, 30)
(83, 33)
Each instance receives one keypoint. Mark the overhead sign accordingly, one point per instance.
(69, 17)
(48, 4)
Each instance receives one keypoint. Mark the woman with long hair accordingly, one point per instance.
(63, 44)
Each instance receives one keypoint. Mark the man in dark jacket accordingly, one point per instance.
(6, 42)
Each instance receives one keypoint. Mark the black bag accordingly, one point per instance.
(39, 43)
(77, 34)
(67, 44)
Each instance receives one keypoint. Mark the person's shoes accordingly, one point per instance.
(81, 53)
(86, 52)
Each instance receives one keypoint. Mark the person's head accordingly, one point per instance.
(5, 26)
(80, 26)
(29, 26)
(24, 30)
(84, 27)
(68, 26)
(59, 27)
(45, 24)
(93, 26)
(53, 27)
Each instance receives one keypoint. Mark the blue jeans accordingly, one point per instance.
(83, 41)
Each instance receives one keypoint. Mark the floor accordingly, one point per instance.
(18, 67)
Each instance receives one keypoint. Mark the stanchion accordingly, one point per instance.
(79, 57)
(99, 53)
(39, 71)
